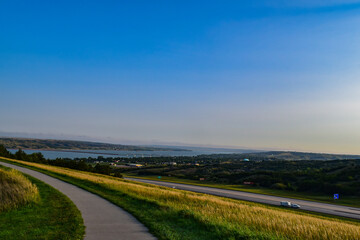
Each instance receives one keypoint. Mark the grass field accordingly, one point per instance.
(176, 214)
(51, 215)
(344, 200)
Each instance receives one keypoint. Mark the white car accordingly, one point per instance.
(294, 205)
(285, 204)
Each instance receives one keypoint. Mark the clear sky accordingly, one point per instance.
(257, 74)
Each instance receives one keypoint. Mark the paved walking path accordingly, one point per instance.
(103, 220)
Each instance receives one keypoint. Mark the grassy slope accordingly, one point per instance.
(16, 190)
(175, 214)
(54, 216)
(346, 201)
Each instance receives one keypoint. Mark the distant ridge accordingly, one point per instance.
(52, 144)
(286, 155)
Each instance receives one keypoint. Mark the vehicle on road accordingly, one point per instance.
(289, 204)
(285, 204)
(294, 205)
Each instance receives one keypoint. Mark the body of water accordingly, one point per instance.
(111, 153)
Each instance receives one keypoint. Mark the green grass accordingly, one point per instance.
(352, 201)
(175, 214)
(53, 216)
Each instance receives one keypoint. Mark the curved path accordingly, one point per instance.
(103, 220)
(337, 210)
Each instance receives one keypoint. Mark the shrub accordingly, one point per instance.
(279, 186)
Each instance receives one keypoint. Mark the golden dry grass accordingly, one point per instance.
(218, 211)
(15, 190)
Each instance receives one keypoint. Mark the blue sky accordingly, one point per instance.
(257, 74)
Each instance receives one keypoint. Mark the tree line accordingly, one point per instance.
(81, 165)
(325, 177)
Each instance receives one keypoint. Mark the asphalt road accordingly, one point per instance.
(103, 220)
(343, 211)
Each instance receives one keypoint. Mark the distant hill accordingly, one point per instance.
(285, 155)
(310, 156)
(51, 144)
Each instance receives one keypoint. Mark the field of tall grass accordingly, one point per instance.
(216, 217)
(15, 190)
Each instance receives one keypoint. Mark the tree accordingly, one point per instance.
(103, 169)
(20, 155)
(4, 152)
(118, 174)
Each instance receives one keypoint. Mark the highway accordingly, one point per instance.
(337, 210)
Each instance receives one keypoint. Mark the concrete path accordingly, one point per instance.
(338, 210)
(103, 220)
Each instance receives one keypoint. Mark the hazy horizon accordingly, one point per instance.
(153, 144)
(265, 75)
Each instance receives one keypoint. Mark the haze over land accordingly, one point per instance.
(264, 75)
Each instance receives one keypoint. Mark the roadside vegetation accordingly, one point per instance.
(16, 190)
(32, 210)
(353, 201)
(176, 214)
